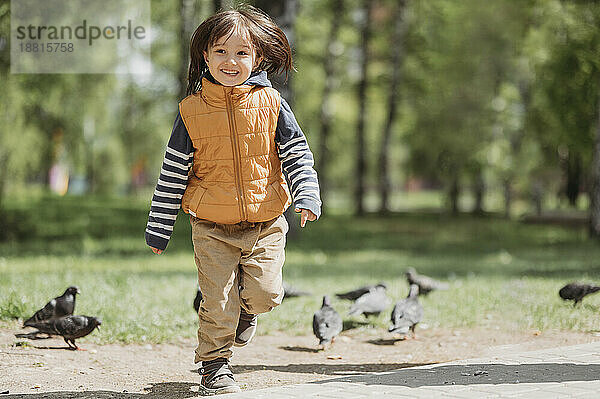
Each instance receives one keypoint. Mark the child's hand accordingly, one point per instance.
(306, 215)
(156, 250)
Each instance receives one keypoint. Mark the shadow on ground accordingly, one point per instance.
(300, 349)
(168, 390)
(479, 374)
(326, 369)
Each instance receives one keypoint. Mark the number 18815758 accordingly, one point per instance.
(50, 47)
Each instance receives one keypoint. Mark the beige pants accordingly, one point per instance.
(238, 265)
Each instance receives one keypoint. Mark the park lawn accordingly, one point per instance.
(502, 274)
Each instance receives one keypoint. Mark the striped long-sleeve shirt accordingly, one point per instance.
(295, 155)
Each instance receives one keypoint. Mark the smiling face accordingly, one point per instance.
(231, 59)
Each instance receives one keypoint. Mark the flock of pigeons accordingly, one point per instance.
(372, 300)
(368, 300)
(56, 317)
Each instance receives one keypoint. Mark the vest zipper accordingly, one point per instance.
(236, 153)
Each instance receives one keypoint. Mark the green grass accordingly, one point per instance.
(502, 274)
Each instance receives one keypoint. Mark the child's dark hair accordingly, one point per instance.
(268, 40)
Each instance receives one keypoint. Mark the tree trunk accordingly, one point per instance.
(573, 184)
(326, 116)
(384, 151)
(186, 16)
(595, 186)
(507, 185)
(478, 193)
(453, 194)
(515, 145)
(538, 197)
(361, 162)
(3, 179)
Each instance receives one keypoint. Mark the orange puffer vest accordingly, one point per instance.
(236, 174)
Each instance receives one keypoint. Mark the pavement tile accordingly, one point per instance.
(346, 394)
(507, 389)
(471, 394)
(588, 359)
(576, 355)
(417, 393)
(569, 389)
(583, 384)
(449, 388)
(543, 395)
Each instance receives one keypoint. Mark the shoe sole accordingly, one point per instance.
(243, 343)
(239, 344)
(218, 391)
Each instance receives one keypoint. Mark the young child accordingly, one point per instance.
(232, 142)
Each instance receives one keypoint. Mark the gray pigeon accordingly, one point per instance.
(63, 305)
(292, 292)
(407, 313)
(357, 293)
(372, 303)
(426, 284)
(327, 323)
(197, 300)
(69, 327)
(576, 291)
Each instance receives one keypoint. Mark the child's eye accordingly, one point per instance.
(220, 51)
(242, 53)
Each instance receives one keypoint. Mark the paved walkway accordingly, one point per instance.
(563, 372)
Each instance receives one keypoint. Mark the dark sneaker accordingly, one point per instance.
(246, 328)
(217, 377)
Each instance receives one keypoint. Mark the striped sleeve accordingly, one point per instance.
(171, 185)
(297, 161)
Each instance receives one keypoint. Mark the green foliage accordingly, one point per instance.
(564, 48)
(498, 88)
(13, 307)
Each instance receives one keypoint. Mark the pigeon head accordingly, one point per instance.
(73, 290)
(410, 272)
(95, 321)
(326, 301)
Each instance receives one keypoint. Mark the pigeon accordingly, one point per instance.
(327, 323)
(69, 327)
(576, 291)
(197, 300)
(292, 292)
(426, 284)
(357, 293)
(372, 303)
(63, 305)
(407, 313)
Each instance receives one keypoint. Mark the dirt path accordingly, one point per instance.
(44, 369)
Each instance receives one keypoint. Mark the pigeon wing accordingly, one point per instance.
(70, 326)
(354, 294)
(45, 327)
(46, 313)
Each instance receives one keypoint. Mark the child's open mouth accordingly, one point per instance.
(230, 73)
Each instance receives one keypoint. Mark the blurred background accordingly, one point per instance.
(492, 105)
(459, 137)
